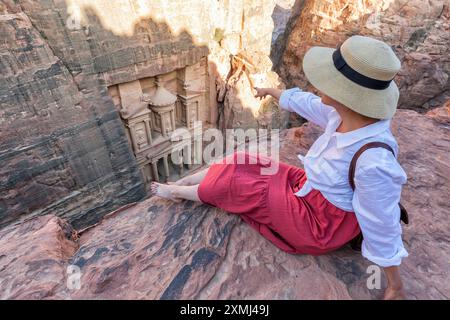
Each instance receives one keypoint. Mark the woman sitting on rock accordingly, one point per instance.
(315, 210)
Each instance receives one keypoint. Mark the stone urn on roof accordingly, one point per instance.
(162, 103)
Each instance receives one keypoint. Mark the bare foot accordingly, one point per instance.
(163, 191)
(394, 294)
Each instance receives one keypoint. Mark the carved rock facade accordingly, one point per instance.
(153, 108)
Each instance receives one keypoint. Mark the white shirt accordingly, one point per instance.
(378, 176)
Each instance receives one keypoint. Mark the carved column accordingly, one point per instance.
(155, 170)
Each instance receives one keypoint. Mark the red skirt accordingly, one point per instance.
(298, 225)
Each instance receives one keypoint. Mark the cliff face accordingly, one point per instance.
(417, 30)
(63, 147)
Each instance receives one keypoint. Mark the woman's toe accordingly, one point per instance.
(154, 187)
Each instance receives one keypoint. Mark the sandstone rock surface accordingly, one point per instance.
(63, 147)
(155, 249)
(33, 258)
(418, 31)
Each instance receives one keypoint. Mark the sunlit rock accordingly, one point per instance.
(417, 30)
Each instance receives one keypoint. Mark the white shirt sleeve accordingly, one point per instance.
(306, 104)
(378, 184)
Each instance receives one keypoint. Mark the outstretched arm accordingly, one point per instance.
(263, 92)
(306, 104)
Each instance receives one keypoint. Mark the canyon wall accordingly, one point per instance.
(417, 30)
(63, 147)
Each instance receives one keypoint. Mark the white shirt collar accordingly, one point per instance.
(349, 138)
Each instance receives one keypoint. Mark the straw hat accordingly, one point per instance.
(359, 75)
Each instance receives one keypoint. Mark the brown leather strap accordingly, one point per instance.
(370, 145)
(356, 242)
(403, 214)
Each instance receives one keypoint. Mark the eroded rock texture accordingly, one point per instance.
(63, 148)
(33, 258)
(417, 30)
(159, 250)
